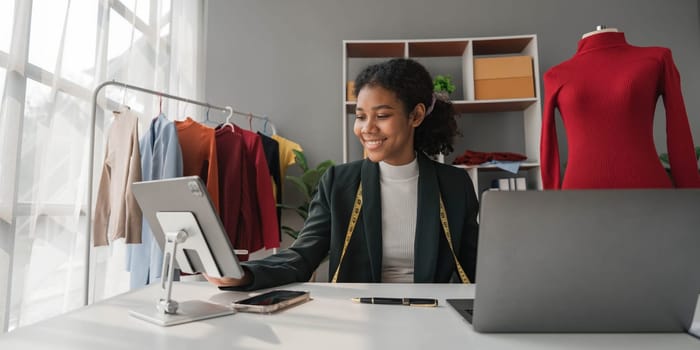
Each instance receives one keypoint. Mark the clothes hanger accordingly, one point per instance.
(211, 122)
(229, 110)
(123, 106)
(272, 131)
(184, 110)
(264, 130)
(250, 121)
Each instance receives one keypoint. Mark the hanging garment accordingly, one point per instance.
(607, 96)
(287, 157)
(263, 188)
(161, 158)
(198, 145)
(117, 215)
(239, 210)
(272, 155)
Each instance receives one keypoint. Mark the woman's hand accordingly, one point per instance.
(228, 281)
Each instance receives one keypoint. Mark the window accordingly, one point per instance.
(7, 9)
(45, 111)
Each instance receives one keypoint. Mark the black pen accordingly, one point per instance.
(426, 302)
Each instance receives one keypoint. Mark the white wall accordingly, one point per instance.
(283, 58)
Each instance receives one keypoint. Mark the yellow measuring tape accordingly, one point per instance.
(443, 218)
(351, 227)
(356, 214)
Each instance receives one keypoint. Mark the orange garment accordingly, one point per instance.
(198, 144)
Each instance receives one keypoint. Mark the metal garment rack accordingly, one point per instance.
(91, 151)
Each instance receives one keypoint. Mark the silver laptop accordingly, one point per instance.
(587, 261)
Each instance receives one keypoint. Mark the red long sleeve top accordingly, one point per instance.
(606, 95)
(263, 188)
(238, 200)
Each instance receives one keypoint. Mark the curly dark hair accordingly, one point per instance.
(412, 84)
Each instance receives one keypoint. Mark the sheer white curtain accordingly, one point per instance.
(53, 53)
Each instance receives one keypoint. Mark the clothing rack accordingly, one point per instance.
(251, 115)
(91, 151)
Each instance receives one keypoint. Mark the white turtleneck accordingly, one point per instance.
(399, 197)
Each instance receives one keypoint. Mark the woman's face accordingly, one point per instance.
(383, 127)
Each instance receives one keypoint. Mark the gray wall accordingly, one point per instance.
(283, 58)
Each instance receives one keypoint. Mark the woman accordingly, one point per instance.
(379, 219)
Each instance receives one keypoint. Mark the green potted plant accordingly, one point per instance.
(307, 185)
(443, 86)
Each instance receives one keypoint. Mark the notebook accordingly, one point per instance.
(586, 261)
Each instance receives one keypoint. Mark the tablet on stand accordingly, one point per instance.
(188, 229)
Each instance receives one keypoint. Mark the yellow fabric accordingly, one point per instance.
(274, 187)
(286, 154)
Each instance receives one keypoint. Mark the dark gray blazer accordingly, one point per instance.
(329, 215)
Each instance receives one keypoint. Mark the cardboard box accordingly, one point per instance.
(350, 96)
(503, 77)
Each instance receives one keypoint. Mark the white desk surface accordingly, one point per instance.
(329, 321)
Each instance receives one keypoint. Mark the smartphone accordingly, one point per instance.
(271, 301)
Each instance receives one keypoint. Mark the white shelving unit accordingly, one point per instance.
(464, 49)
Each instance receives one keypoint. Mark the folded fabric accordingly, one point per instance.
(511, 167)
(470, 157)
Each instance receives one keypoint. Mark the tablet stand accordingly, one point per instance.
(181, 231)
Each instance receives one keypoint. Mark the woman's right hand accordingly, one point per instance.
(228, 281)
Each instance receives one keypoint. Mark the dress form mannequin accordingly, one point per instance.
(599, 29)
(606, 95)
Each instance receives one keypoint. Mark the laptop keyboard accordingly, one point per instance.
(465, 307)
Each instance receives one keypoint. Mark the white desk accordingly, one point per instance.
(329, 321)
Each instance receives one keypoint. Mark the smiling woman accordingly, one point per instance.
(395, 116)
(396, 216)
(383, 126)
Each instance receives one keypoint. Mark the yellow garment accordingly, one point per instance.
(286, 154)
(274, 188)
